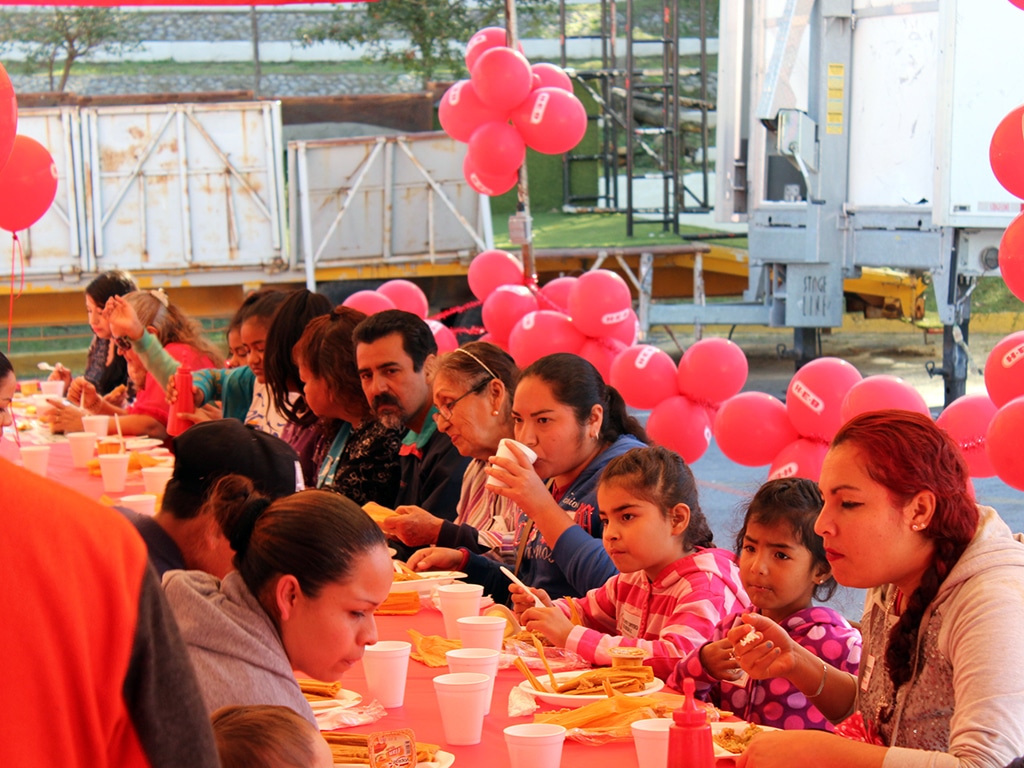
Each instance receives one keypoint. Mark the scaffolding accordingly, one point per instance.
(642, 121)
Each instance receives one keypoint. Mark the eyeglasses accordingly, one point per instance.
(445, 411)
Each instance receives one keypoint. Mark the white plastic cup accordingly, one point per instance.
(114, 470)
(36, 458)
(386, 665)
(458, 600)
(506, 453)
(535, 745)
(98, 424)
(83, 447)
(143, 503)
(650, 737)
(155, 479)
(462, 699)
(482, 660)
(482, 631)
(52, 388)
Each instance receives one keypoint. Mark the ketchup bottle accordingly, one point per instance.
(184, 403)
(689, 737)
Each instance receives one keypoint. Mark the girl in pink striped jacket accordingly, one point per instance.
(673, 588)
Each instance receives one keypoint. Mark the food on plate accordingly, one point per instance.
(731, 741)
(315, 690)
(614, 713)
(620, 679)
(431, 649)
(355, 747)
(378, 512)
(404, 573)
(400, 603)
(531, 637)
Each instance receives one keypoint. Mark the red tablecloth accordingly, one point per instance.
(61, 469)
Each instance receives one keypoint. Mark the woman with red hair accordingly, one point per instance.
(945, 582)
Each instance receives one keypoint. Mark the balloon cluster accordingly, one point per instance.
(505, 106)
(409, 297)
(28, 177)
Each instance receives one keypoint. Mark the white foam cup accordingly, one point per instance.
(462, 699)
(482, 660)
(52, 388)
(506, 453)
(114, 470)
(535, 745)
(143, 503)
(482, 631)
(458, 600)
(98, 424)
(155, 479)
(650, 737)
(386, 665)
(36, 458)
(83, 447)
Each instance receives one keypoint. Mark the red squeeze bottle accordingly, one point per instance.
(184, 403)
(689, 737)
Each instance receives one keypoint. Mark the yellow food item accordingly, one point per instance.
(511, 623)
(431, 649)
(621, 679)
(400, 603)
(354, 747)
(733, 742)
(404, 573)
(378, 512)
(627, 656)
(315, 690)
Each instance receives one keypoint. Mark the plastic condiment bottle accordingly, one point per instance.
(689, 736)
(184, 403)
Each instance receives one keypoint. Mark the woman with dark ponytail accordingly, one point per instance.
(311, 568)
(945, 597)
(576, 424)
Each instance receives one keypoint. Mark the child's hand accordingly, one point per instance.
(762, 648)
(209, 412)
(550, 622)
(523, 599)
(122, 318)
(719, 661)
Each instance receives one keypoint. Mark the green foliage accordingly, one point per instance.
(65, 35)
(427, 37)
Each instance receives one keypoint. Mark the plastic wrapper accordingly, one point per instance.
(346, 716)
(559, 659)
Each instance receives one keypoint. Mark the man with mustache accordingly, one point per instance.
(395, 354)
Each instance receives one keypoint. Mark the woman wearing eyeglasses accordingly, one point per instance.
(472, 388)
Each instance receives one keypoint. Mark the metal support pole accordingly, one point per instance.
(521, 225)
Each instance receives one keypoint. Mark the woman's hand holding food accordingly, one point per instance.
(435, 559)
(719, 661)
(64, 418)
(762, 648)
(122, 318)
(549, 621)
(413, 526)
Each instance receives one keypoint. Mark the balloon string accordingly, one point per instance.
(15, 252)
(455, 310)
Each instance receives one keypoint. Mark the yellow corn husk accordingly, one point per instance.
(318, 688)
(400, 603)
(625, 679)
(352, 748)
(430, 649)
(610, 712)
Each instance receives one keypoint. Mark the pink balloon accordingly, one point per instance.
(815, 395)
(712, 370)
(801, 458)
(1011, 256)
(28, 184)
(406, 295)
(599, 301)
(369, 302)
(551, 76)
(551, 121)
(1002, 443)
(1018, 3)
(681, 425)
(1004, 369)
(497, 149)
(966, 420)
(490, 269)
(644, 376)
(461, 112)
(880, 392)
(543, 333)
(502, 78)
(492, 186)
(484, 40)
(1006, 152)
(601, 353)
(505, 307)
(752, 428)
(555, 294)
(444, 336)
(627, 330)
(8, 116)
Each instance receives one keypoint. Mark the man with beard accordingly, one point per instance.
(395, 354)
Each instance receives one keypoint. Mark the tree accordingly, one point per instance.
(67, 34)
(424, 36)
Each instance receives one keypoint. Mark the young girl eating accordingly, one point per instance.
(783, 566)
(673, 587)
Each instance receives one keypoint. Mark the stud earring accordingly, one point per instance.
(494, 413)
(916, 527)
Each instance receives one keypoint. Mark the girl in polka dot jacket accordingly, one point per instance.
(783, 566)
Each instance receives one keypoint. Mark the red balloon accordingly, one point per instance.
(444, 336)
(752, 428)
(497, 149)
(461, 112)
(543, 333)
(484, 40)
(1018, 3)
(406, 295)
(490, 269)
(599, 301)
(550, 76)
(1004, 369)
(644, 376)
(1002, 443)
(28, 184)
(815, 395)
(555, 294)
(1006, 152)
(1011, 256)
(492, 186)
(966, 420)
(369, 302)
(881, 392)
(601, 353)
(502, 78)
(8, 116)
(712, 370)
(801, 458)
(551, 121)
(680, 425)
(505, 307)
